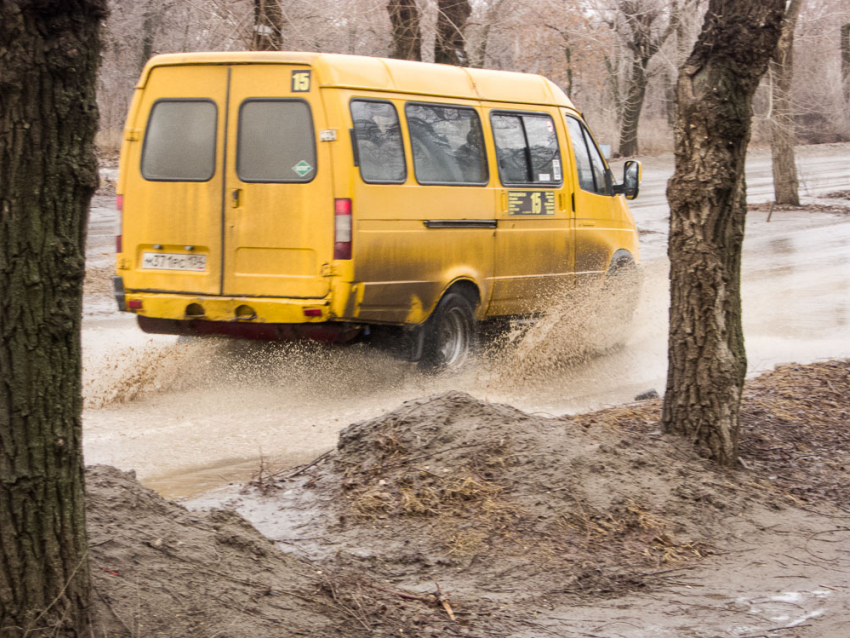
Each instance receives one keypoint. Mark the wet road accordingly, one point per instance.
(188, 417)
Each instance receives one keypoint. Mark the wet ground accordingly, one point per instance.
(189, 417)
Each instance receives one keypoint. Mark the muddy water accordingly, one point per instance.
(191, 416)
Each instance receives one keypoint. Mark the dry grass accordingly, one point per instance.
(108, 143)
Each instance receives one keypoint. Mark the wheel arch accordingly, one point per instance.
(621, 258)
(468, 289)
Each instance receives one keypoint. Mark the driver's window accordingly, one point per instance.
(589, 162)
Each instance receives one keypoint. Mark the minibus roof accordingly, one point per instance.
(397, 76)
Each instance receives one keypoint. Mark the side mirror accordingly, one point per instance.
(632, 174)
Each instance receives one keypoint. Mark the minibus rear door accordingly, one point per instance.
(171, 225)
(279, 208)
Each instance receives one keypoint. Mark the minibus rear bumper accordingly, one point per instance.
(324, 332)
(266, 318)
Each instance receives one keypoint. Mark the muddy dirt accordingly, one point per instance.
(452, 516)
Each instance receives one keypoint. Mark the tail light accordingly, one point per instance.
(342, 229)
(119, 205)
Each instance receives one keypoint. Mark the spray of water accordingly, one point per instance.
(169, 407)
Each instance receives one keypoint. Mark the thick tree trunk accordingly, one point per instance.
(707, 194)
(632, 108)
(785, 184)
(268, 26)
(407, 34)
(49, 53)
(845, 60)
(450, 45)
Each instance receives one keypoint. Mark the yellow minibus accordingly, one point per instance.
(285, 195)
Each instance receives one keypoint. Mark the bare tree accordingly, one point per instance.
(150, 21)
(406, 29)
(489, 20)
(643, 28)
(48, 173)
(267, 34)
(707, 193)
(450, 44)
(785, 184)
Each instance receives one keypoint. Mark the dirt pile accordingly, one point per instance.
(160, 570)
(795, 432)
(482, 497)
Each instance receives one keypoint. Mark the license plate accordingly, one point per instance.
(174, 261)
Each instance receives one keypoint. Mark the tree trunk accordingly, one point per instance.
(785, 185)
(48, 172)
(268, 26)
(481, 52)
(450, 45)
(407, 34)
(707, 194)
(150, 21)
(845, 60)
(633, 106)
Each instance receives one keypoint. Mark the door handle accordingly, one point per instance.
(235, 196)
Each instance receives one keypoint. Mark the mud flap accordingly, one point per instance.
(416, 336)
(118, 290)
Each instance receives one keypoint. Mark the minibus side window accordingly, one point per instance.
(591, 168)
(179, 141)
(527, 149)
(447, 144)
(511, 149)
(379, 142)
(276, 142)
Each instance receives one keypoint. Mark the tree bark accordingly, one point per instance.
(49, 54)
(632, 108)
(845, 60)
(450, 44)
(407, 34)
(785, 184)
(707, 195)
(268, 26)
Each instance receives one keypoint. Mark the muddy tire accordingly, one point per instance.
(450, 335)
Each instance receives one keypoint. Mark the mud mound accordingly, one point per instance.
(795, 431)
(159, 570)
(482, 496)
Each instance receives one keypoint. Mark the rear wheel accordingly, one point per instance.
(450, 335)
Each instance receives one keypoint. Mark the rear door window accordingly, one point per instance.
(447, 144)
(180, 141)
(527, 149)
(379, 142)
(276, 142)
